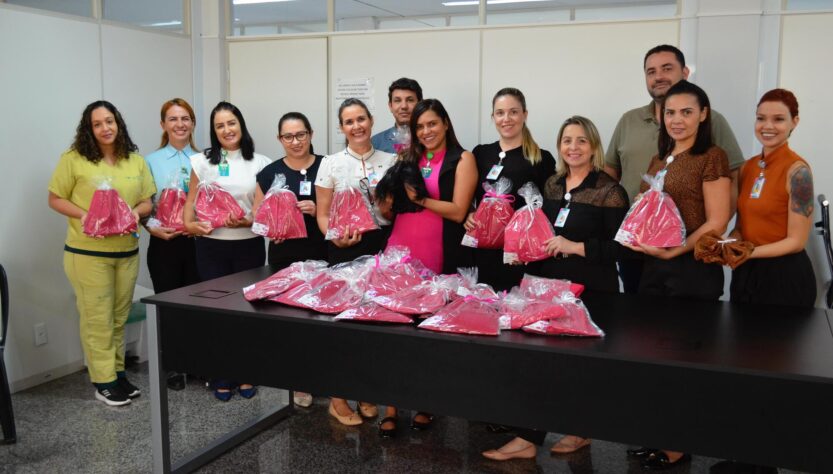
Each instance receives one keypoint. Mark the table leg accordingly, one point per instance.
(160, 427)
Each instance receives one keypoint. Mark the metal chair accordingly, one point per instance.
(824, 231)
(6, 410)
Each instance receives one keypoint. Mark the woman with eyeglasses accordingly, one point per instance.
(234, 247)
(515, 156)
(433, 235)
(300, 168)
(358, 166)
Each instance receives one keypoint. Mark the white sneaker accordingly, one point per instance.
(112, 396)
(302, 399)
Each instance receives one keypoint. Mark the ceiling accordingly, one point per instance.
(303, 11)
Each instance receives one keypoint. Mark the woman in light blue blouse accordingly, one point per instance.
(171, 256)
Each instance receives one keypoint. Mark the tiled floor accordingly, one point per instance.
(63, 429)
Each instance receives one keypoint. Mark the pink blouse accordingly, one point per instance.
(422, 232)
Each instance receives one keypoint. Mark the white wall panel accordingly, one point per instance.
(570, 70)
(445, 63)
(270, 78)
(50, 70)
(806, 70)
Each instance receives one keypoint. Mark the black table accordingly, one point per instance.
(751, 383)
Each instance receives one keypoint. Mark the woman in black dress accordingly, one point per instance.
(517, 157)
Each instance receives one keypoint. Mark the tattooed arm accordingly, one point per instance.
(799, 220)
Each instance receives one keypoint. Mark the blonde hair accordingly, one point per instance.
(592, 133)
(531, 150)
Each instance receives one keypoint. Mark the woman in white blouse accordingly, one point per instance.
(231, 163)
(359, 166)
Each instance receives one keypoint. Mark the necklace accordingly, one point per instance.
(426, 170)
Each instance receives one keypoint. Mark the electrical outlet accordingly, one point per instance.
(40, 334)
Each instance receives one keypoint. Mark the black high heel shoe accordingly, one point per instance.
(422, 425)
(641, 453)
(659, 461)
(389, 433)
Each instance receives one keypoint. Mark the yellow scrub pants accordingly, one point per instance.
(103, 294)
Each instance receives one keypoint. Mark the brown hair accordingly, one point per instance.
(86, 144)
(531, 150)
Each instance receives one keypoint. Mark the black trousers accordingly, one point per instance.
(217, 258)
(172, 263)
(492, 270)
(630, 271)
(787, 280)
(372, 243)
(682, 277)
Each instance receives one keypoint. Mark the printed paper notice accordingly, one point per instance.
(347, 88)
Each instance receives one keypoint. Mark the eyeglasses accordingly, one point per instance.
(289, 137)
(364, 185)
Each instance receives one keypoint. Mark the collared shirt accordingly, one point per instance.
(384, 140)
(170, 166)
(634, 143)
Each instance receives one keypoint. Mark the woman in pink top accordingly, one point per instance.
(433, 235)
(450, 175)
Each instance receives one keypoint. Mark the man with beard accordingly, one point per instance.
(634, 140)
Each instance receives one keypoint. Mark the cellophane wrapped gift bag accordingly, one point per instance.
(215, 205)
(108, 214)
(284, 280)
(492, 216)
(350, 208)
(278, 216)
(529, 229)
(170, 206)
(653, 219)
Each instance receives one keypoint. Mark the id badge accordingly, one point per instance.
(494, 172)
(223, 169)
(757, 187)
(185, 178)
(561, 219)
(373, 179)
(306, 188)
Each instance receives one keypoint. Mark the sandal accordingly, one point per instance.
(388, 433)
(422, 425)
(367, 410)
(570, 444)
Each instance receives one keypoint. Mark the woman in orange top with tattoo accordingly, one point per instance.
(775, 208)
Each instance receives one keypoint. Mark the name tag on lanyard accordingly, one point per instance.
(305, 188)
(563, 213)
(757, 188)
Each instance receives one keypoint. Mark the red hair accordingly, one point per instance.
(785, 97)
(185, 105)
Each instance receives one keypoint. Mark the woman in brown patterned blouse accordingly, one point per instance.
(697, 179)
